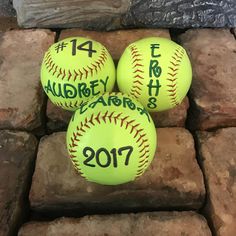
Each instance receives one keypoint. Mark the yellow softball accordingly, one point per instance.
(156, 71)
(111, 139)
(76, 69)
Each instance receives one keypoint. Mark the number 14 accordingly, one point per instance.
(82, 47)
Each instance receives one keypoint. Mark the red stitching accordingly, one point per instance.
(76, 73)
(173, 69)
(138, 73)
(112, 117)
(138, 82)
(173, 72)
(172, 80)
(69, 104)
(174, 64)
(136, 65)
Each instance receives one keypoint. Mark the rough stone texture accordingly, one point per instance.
(234, 32)
(8, 23)
(97, 14)
(218, 159)
(151, 224)
(105, 14)
(21, 53)
(6, 9)
(213, 91)
(116, 41)
(173, 180)
(17, 153)
(7, 16)
(175, 117)
(181, 13)
(58, 118)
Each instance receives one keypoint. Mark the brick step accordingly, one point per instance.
(155, 223)
(173, 181)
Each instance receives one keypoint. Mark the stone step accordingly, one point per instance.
(218, 159)
(151, 224)
(213, 91)
(173, 181)
(17, 155)
(107, 15)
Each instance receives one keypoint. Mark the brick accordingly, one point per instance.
(58, 118)
(213, 92)
(8, 23)
(161, 223)
(174, 117)
(17, 154)
(173, 180)
(116, 41)
(21, 93)
(217, 156)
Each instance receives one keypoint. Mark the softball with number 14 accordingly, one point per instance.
(156, 71)
(76, 69)
(111, 139)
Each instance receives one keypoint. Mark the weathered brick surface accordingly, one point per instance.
(116, 41)
(218, 159)
(151, 224)
(58, 118)
(21, 93)
(7, 16)
(213, 91)
(17, 153)
(174, 117)
(8, 23)
(173, 180)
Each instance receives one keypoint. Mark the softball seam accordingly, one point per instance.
(81, 73)
(138, 73)
(125, 122)
(172, 73)
(69, 104)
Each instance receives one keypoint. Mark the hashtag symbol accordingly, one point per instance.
(60, 46)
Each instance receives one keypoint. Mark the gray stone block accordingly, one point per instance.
(181, 13)
(104, 14)
(97, 14)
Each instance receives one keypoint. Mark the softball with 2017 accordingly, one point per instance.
(111, 139)
(155, 71)
(76, 69)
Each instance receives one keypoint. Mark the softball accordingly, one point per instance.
(76, 69)
(111, 139)
(155, 71)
